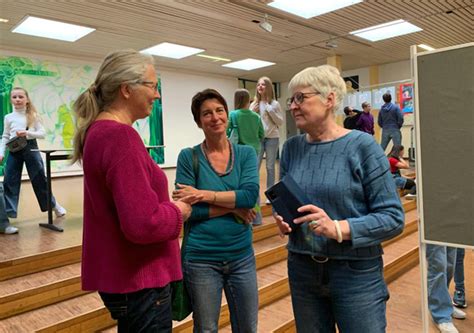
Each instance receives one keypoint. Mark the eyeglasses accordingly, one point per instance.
(149, 84)
(299, 98)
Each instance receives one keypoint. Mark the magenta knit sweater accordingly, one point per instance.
(131, 229)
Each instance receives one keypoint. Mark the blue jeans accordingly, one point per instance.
(12, 179)
(205, 281)
(440, 261)
(459, 270)
(270, 148)
(147, 310)
(4, 222)
(391, 134)
(349, 293)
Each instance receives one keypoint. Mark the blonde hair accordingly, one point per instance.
(31, 113)
(269, 93)
(241, 99)
(323, 79)
(119, 67)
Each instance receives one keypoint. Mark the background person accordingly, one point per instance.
(335, 265)
(24, 121)
(390, 121)
(271, 114)
(459, 297)
(352, 116)
(5, 226)
(219, 253)
(441, 260)
(365, 122)
(250, 130)
(130, 250)
(395, 158)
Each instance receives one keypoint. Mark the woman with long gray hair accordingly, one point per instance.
(131, 228)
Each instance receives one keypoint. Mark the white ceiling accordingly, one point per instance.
(225, 29)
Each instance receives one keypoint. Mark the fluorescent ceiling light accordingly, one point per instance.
(212, 57)
(170, 50)
(426, 47)
(386, 30)
(249, 64)
(39, 27)
(3, 20)
(308, 9)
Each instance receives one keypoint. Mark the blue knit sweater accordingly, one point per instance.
(220, 238)
(350, 179)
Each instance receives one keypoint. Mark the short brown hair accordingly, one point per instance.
(203, 96)
(365, 104)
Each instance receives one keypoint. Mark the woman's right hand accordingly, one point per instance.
(246, 214)
(283, 227)
(1, 159)
(185, 209)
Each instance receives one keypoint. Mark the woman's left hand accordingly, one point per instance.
(184, 191)
(319, 221)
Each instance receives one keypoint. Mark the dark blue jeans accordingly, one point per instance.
(4, 222)
(147, 310)
(12, 179)
(349, 293)
(459, 269)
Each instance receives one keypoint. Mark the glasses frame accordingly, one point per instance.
(149, 84)
(299, 97)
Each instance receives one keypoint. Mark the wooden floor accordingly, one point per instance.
(404, 310)
(35, 245)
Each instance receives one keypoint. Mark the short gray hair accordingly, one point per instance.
(324, 79)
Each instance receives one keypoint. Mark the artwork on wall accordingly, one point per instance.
(377, 94)
(53, 88)
(406, 97)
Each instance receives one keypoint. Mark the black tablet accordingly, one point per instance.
(286, 197)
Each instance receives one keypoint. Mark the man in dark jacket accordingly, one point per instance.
(390, 120)
(352, 116)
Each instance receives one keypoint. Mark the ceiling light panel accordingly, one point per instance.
(426, 47)
(212, 57)
(39, 27)
(170, 50)
(249, 64)
(308, 9)
(386, 30)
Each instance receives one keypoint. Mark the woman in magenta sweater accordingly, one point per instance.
(130, 250)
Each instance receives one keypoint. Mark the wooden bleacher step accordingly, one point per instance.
(97, 318)
(35, 290)
(39, 262)
(31, 289)
(269, 249)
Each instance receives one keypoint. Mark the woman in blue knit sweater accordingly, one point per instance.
(335, 263)
(218, 254)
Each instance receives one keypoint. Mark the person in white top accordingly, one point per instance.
(271, 114)
(24, 122)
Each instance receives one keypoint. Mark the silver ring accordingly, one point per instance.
(314, 224)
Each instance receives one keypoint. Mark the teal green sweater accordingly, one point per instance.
(220, 238)
(249, 126)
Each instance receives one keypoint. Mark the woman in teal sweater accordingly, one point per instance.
(218, 253)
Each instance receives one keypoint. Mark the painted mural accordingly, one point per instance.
(53, 88)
